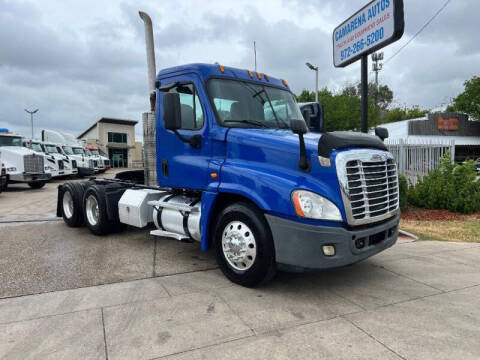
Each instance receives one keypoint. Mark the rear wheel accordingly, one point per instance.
(71, 196)
(36, 184)
(95, 212)
(244, 245)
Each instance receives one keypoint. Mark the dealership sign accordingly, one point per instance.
(376, 25)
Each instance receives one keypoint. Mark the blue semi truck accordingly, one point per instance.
(238, 170)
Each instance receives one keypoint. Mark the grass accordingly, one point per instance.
(465, 230)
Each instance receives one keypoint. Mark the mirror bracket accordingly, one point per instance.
(195, 141)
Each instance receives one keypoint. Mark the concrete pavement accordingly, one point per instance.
(65, 294)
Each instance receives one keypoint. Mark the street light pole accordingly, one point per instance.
(314, 68)
(31, 117)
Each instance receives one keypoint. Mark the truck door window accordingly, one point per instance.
(190, 107)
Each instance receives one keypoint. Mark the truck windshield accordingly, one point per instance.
(88, 153)
(36, 147)
(78, 151)
(241, 103)
(68, 150)
(10, 141)
(94, 152)
(51, 149)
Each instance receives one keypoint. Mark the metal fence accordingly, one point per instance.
(416, 159)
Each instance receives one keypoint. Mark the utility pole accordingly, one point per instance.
(377, 67)
(314, 68)
(255, 53)
(31, 118)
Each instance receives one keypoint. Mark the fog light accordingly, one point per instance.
(328, 250)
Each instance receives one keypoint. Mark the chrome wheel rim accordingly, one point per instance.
(67, 204)
(91, 207)
(239, 246)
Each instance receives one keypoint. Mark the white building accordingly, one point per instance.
(114, 138)
(439, 128)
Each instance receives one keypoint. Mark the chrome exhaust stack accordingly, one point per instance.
(149, 131)
(150, 56)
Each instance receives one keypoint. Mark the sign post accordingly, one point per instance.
(376, 25)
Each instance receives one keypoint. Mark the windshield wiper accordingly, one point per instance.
(249, 122)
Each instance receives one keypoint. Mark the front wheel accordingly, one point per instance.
(244, 245)
(36, 184)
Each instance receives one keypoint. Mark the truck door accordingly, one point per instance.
(179, 165)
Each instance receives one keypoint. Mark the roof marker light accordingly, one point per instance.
(284, 82)
(259, 76)
(222, 69)
(250, 74)
(266, 77)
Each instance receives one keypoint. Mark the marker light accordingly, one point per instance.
(313, 206)
(250, 74)
(222, 69)
(266, 77)
(284, 82)
(259, 76)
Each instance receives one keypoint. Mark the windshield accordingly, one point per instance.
(94, 152)
(77, 151)
(88, 153)
(36, 147)
(51, 149)
(10, 141)
(240, 102)
(67, 150)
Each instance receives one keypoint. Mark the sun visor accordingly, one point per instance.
(343, 139)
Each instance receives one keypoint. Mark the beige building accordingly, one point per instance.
(115, 138)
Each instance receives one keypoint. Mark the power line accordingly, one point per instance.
(419, 31)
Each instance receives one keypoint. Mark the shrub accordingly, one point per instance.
(403, 191)
(451, 187)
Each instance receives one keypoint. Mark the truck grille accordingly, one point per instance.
(90, 164)
(61, 165)
(74, 164)
(95, 163)
(106, 162)
(33, 164)
(369, 186)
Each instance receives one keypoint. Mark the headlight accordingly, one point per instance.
(313, 206)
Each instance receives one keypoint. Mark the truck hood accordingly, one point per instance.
(283, 140)
(16, 150)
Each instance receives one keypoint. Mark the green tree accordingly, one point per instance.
(384, 95)
(469, 100)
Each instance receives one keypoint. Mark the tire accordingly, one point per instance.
(95, 211)
(251, 261)
(37, 184)
(71, 202)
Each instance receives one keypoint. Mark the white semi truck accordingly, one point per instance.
(69, 146)
(56, 163)
(22, 165)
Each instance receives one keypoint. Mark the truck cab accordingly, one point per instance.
(102, 162)
(328, 199)
(93, 160)
(58, 164)
(22, 165)
(72, 148)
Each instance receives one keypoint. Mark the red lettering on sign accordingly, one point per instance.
(449, 124)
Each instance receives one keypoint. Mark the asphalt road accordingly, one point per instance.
(66, 294)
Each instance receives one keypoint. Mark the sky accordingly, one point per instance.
(78, 61)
